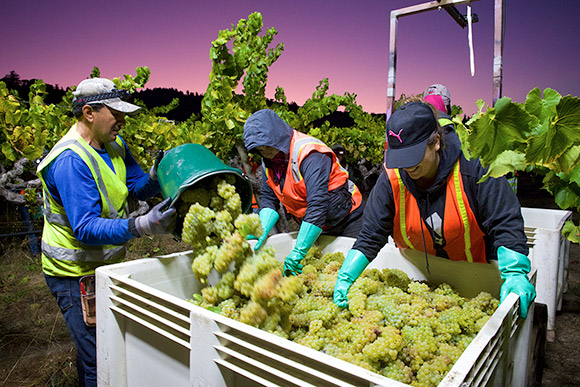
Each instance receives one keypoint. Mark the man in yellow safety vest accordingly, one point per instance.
(86, 179)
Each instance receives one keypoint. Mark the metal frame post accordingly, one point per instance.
(499, 33)
(448, 5)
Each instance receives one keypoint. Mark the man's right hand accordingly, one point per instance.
(156, 221)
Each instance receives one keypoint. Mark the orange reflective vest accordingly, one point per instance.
(464, 239)
(293, 196)
(254, 202)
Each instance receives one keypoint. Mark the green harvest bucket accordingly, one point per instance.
(189, 165)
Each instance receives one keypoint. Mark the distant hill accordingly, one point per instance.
(189, 103)
(22, 88)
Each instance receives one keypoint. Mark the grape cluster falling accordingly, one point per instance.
(402, 329)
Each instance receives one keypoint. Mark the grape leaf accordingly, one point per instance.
(568, 161)
(571, 231)
(557, 135)
(503, 127)
(542, 108)
(506, 162)
(574, 174)
(567, 196)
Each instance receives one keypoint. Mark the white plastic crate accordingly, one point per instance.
(550, 255)
(148, 335)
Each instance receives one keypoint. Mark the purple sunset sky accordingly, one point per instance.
(346, 41)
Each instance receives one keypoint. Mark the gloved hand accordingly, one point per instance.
(268, 218)
(153, 170)
(514, 268)
(352, 267)
(307, 235)
(156, 221)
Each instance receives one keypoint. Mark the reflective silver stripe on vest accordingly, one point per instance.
(297, 145)
(88, 254)
(58, 218)
(351, 186)
(112, 211)
(51, 217)
(118, 148)
(296, 171)
(61, 145)
(121, 151)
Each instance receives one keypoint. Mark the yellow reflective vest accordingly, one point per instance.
(62, 253)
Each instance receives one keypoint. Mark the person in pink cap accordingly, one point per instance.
(438, 96)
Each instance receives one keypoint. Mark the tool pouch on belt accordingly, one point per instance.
(88, 300)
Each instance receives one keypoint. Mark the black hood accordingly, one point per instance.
(266, 128)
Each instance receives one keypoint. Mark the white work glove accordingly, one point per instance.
(156, 221)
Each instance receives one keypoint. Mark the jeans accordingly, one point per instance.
(66, 290)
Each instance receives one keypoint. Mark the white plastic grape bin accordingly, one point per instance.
(550, 255)
(149, 335)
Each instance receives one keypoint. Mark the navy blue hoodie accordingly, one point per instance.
(493, 203)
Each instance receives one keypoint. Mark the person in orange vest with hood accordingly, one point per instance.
(303, 174)
(428, 198)
(438, 95)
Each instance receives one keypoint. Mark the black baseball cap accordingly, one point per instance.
(408, 131)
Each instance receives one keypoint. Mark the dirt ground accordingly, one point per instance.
(562, 365)
(36, 349)
(35, 346)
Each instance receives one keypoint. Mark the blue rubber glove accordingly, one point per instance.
(268, 218)
(153, 170)
(156, 221)
(514, 268)
(307, 235)
(352, 267)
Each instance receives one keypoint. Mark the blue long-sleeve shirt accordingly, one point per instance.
(70, 182)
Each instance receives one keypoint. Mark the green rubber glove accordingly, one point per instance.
(514, 268)
(268, 218)
(352, 267)
(307, 235)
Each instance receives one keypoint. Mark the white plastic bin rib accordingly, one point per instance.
(550, 255)
(148, 335)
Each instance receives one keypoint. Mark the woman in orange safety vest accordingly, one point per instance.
(428, 198)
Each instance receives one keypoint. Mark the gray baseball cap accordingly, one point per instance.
(439, 89)
(102, 91)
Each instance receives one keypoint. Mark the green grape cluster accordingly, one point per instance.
(215, 227)
(234, 248)
(253, 268)
(405, 330)
(209, 209)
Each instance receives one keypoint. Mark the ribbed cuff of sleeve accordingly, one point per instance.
(133, 227)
